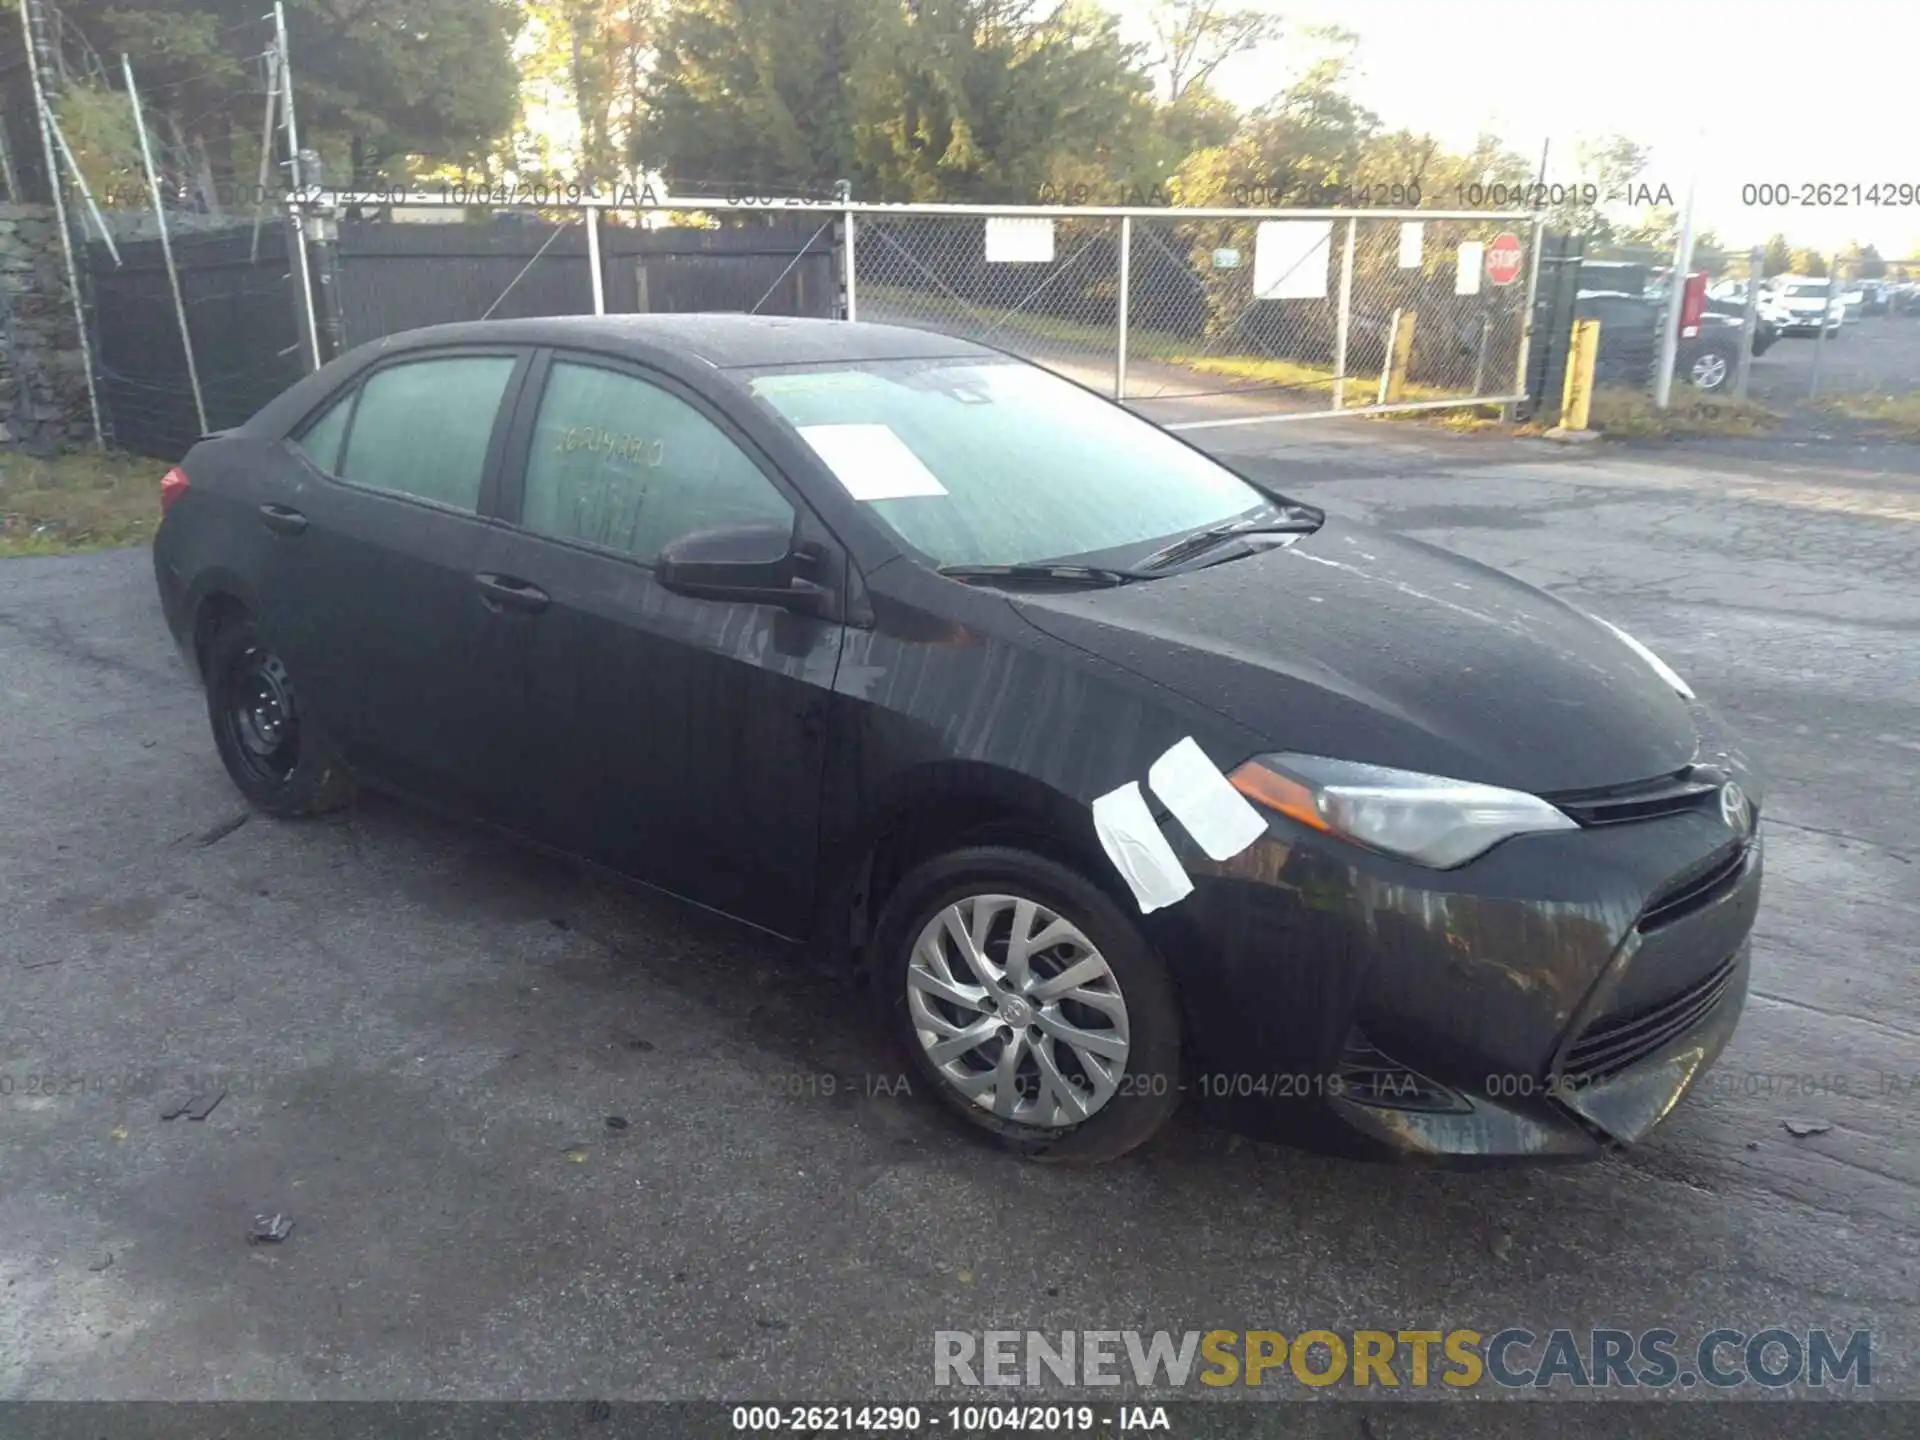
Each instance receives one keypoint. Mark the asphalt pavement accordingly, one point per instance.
(540, 1136)
(1875, 354)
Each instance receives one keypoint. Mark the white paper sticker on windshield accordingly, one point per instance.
(872, 462)
(1132, 840)
(1218, 816)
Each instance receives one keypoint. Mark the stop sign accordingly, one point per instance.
(1503, 258)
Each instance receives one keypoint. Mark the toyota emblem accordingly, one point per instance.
(1734, 809)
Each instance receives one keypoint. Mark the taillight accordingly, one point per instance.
(172, 486)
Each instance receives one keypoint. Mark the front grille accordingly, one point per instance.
(1648, 800)
(1617, 1043)
(1695, 890)
(1369, 1077)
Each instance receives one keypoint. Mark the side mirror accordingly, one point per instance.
(753, 564)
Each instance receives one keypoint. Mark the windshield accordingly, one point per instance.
(992, 462)
(1803, 291)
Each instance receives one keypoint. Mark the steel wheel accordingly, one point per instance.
(1709, 371)
(1018, 1011)
(258, 713)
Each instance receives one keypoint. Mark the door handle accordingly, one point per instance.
(503, 592)
(282, 520)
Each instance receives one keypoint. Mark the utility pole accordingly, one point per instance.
(1676, 298)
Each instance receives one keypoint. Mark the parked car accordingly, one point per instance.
(1729, 297)
(1804, 298)
(1630, 342)
(1874, 297)
(1115, 775)
(1855, 300)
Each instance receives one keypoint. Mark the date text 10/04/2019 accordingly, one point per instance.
(958, 1419)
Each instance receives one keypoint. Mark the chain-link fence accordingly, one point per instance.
(1239, 313)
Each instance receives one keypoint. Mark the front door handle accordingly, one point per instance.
(503, 592)
(282, 520)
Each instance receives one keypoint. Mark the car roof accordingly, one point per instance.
(724, 341)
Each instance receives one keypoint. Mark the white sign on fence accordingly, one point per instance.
(1290, 259)
(1466, 280)
(1019, 240)
(1412, 232)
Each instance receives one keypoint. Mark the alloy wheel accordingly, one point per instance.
(1709, 371)
(1018, 1011)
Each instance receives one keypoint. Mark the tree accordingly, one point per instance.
(1807, 262)
(1193, 38)
(768, 93)
(373, 81)
(1863, 262)
(979, 100)
(1602, 171)
(597, 54)
(1777, 256)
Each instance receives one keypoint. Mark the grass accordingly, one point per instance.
(1898, 414)
(1631, 414)
(75, 501)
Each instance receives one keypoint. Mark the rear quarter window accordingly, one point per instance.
(320, 440)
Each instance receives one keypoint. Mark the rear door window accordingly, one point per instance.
(422, 428)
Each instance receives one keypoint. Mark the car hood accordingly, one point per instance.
(1363, 645)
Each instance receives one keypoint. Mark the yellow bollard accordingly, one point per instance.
(1577, 399)
(1401, 356)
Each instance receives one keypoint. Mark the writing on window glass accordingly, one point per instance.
(613, 445)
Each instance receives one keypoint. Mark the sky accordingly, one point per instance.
(1685, 78)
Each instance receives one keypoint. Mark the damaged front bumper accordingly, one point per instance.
(1556, 999)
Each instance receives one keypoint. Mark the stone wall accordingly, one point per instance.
(43, 378)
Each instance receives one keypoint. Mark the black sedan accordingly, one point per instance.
(1116, 777)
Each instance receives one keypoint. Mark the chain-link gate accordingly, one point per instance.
(1219, 317)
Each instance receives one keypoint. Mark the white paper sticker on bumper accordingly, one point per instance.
(1132, 840)
(1218, 816)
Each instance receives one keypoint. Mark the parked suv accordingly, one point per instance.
(1630, 341)
(1804, 298)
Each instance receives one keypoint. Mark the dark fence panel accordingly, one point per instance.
(394, 277)
(243, 316)
(1553, 307)
(777, 268)
(381, 278)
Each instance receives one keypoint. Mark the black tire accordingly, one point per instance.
(278, 760)
(1149, 1088)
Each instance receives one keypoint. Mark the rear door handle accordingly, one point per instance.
(281, 520)
(503, 592)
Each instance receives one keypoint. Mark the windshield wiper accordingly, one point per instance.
(1069, 574)
(1298, 522)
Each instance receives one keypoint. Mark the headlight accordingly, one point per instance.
(1424, 818)
(1660, 667)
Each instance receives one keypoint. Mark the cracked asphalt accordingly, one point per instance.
(542, 1137)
